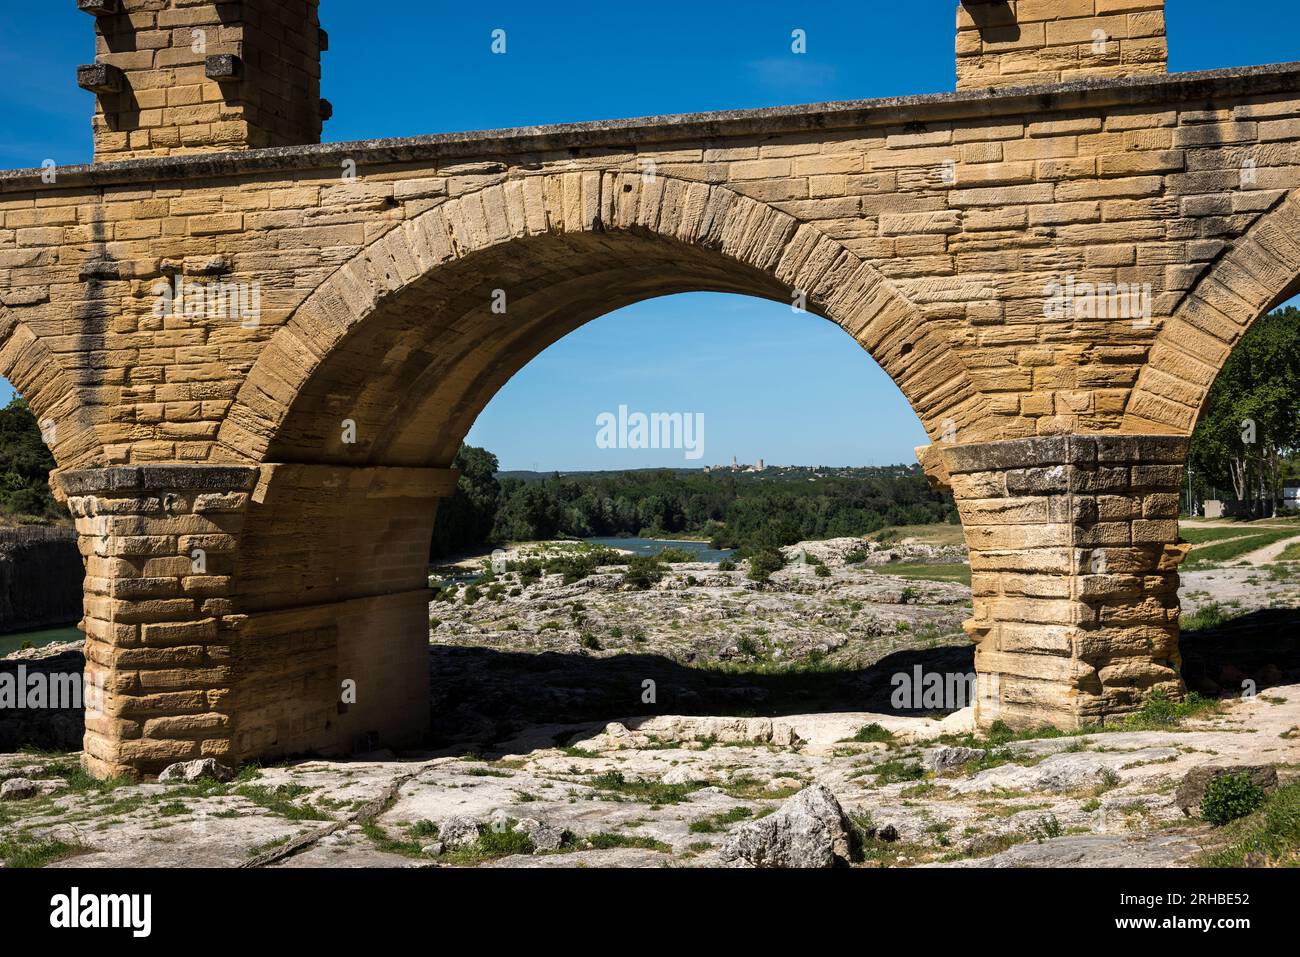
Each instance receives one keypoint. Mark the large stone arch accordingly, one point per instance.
(1253, 275)
(315, 552)
(53, 395)
(566, 248)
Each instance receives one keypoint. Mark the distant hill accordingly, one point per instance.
(526, 475)
(789, 472)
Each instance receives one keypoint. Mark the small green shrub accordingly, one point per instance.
(873, 732)
(1047, 828)
(1210, 615)
(643, 571)
(674, 555)
(763, 563)
(857, 555)
(1230, 796)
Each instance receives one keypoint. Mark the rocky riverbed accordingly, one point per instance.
(673, 791)
(708, 721)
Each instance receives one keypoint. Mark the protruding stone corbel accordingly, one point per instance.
(1174, 555)
(323, 40)
(932, 464)
(326, 109)
(101, 78)
(222, 67)
(100, 8)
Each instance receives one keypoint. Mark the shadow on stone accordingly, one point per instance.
(483, 695)
(1262, 646)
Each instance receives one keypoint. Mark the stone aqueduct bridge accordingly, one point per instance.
(244, 561)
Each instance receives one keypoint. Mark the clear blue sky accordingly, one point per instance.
(797, 389)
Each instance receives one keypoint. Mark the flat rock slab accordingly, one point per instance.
(1065, 771)
(613, 857)
(1096, 850)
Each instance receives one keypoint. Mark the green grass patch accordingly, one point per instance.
(744, 788)
(27, 854)
(1201, 535)
(578, 753)
(408, 845)
(280, 800)
(1209, 556)
(873, 733)
(647, 792)
(893, 772)
(1161, 712)
(1210, 615)
(718, 822)
(606, 840)
(1290, 554)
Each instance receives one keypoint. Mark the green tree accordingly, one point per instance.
(25, 465)
(465, 520)
(529, 511)
(1251, 419)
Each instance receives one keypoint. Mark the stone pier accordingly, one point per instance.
(1073, 573)
(237, 612)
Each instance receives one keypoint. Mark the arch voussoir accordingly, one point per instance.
(52, 393)
(1252, 276)
(758, 237)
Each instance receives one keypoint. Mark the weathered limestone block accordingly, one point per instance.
(176, 68)
(1074, 592)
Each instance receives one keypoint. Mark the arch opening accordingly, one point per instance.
(1241, 497)
(416, 373)
(355, 435)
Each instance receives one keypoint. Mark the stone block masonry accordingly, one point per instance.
(1028, 42)
(236, 611)
(159, 545)
(1073, 575)
(1052, 264)
(193, 76)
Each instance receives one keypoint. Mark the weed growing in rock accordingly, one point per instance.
(1270, 837)
(1230, 796)
(873, 733)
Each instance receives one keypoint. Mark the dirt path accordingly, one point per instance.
(1269, 553)
(1247, 528)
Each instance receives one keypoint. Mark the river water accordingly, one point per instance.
(653, 546)
(38, 639)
